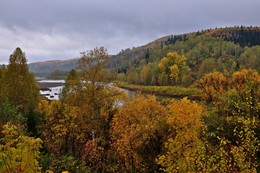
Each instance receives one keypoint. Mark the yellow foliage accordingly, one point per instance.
(174, 72)
(173, 64)
(241, 78)
(163, 64)
(175, 58)
(182, 147)
(133, 127)
(19, 153)
(212, 84)
(230, 157)
(184, 114)
(62, 126)
(216, 83)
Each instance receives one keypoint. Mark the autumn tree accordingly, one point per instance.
(64, 133)
(232, 135)
(92, 63)
(146, 75)
(88, 103)
(232, 126)
(137, 134)
(213, 84)
(243, 95)
(93, 156)
(87, 81)
(22, 90)
(182, 145)
(243, 78)
(173, 65)
(19, 153)
(72, 85)
(59, 129)
(87, 90)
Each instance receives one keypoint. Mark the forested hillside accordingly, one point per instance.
(245, 36)
(224, 49)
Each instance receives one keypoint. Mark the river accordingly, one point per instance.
(51, 89)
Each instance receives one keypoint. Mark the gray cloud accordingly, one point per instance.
(60, 29)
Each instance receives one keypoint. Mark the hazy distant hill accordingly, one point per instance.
(48, 67)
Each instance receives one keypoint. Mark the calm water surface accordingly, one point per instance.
(54, 92)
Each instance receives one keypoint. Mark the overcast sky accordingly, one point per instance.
(60, 29)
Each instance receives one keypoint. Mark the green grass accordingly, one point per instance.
(171, 91)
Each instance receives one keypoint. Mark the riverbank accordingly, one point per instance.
(165, 91)
(46, 84)
(161, 91)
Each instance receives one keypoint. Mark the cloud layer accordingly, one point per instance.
(60, 29)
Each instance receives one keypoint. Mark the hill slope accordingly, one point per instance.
(244, 36)
(48, 67)
(221, 49)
